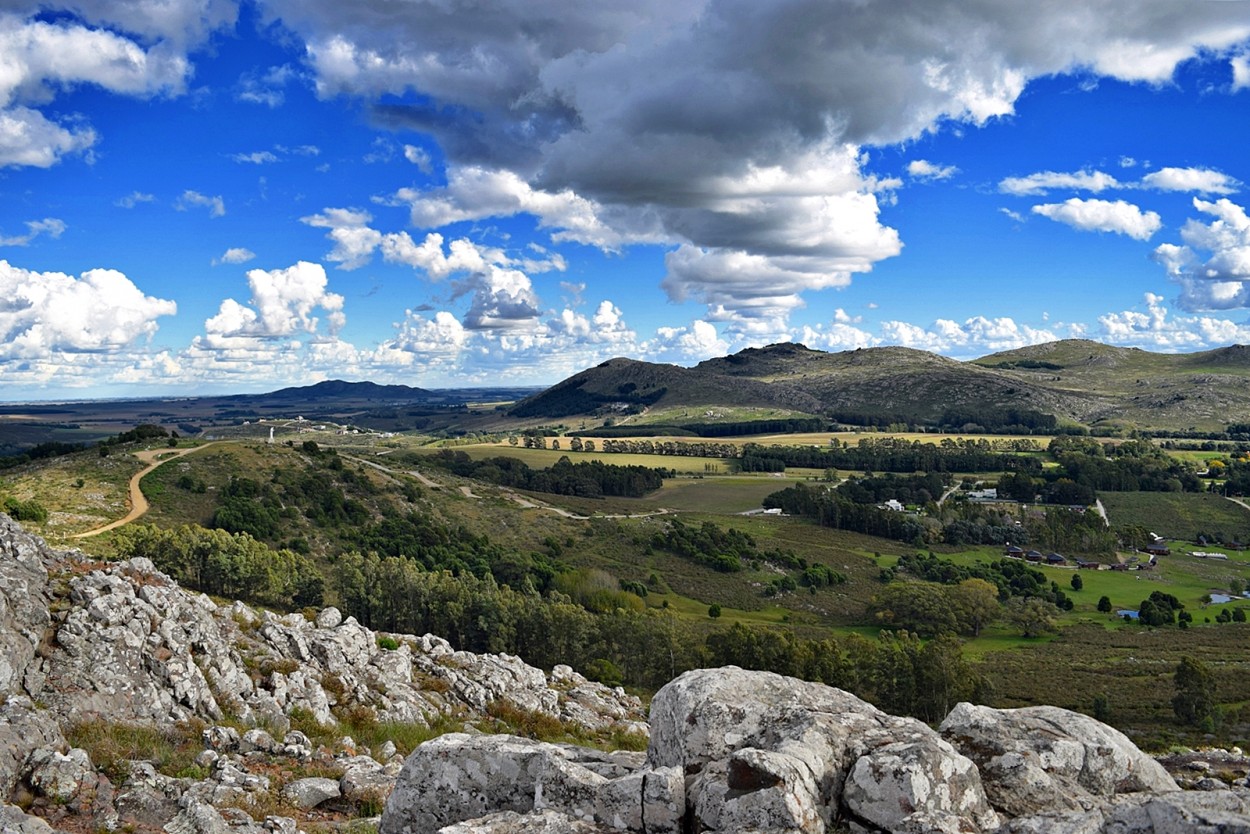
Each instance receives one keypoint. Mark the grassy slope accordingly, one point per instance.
(1096, 653)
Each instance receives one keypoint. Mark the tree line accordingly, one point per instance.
(587, 479)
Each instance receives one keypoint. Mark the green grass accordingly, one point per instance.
(1178, 515)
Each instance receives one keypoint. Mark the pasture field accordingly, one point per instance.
(721, 494)
(1178, 515)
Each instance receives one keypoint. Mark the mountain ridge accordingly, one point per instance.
(1073, 381)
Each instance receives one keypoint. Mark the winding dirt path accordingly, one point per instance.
(138, 503)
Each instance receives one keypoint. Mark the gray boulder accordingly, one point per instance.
(1047, 759)
(311, 791)
(458, 777)
(23, 601)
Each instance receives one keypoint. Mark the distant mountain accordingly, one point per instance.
(1073, 381)
(338, 389)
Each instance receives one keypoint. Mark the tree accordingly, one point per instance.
(1239, 615)
(976, 605)
(1077, 582)
(1194, 701)
(921, 607)
(713, 610)
(1033, 616)
(1104, 604)
(1102, 707)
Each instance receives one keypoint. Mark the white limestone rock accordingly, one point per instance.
(458, 777)
(1046, 759)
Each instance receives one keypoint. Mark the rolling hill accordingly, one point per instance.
(1074, 381)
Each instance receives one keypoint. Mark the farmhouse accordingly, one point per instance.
(1055, 559)
(1158, 548)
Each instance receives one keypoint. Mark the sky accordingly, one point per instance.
(211, 196)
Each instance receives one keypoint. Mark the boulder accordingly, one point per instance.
(458, 777)
(311, 791)
(1046, 759)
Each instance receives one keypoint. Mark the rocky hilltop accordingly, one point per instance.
(85, 643)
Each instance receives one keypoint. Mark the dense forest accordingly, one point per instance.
(587, 479)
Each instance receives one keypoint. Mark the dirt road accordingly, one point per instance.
(138, 504)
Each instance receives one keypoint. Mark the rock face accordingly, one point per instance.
(754, 752)
(82, 639)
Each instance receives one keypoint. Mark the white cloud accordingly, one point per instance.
(686, 345)
(236, 255)
(1103, 216)
(50, 226)
(1155, 329)
(419, 157)
(133, 199)
(974, 336)
(1213, 264)
(255, 157)
(193, 199)
(1044, 181)
(266, 89)
(1200, 180)
(474, 193)
(282, 306)
(354, 241)
(923, 169)
(47, 314)
(39, 59)
(1241, 72)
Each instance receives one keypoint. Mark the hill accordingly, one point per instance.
(338, 389)
(1073, 381)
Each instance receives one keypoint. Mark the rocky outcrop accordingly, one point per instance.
(82, 639)
(754, 752)
(730, 750)
(1046, 759)
(24, 617)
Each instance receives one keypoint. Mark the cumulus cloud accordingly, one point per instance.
(1044, 181)
(1212, 265)
(627, 123)
(1199, 180)
(42, 58)
(686, 345)
(282, 305)
(354, 241)
(474, 193)
(1103, 216)
(50, 226)
(974, 336)
(51, 313)
(236, 255)
(924, 170)
(1156, 329)
(193, 199)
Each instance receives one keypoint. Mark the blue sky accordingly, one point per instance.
(208, 196)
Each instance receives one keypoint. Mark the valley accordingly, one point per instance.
(732, 540)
